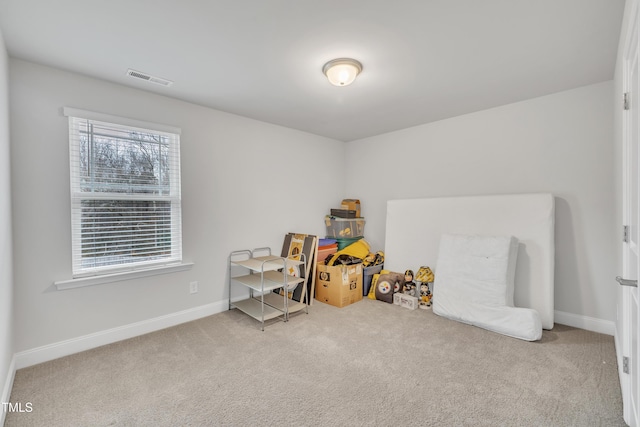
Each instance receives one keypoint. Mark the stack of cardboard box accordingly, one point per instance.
(341, 285)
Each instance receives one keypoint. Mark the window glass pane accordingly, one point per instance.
(117, 160)
(124, 231)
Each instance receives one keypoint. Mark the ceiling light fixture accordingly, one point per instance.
(342, 71)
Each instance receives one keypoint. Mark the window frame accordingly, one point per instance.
(124, 270)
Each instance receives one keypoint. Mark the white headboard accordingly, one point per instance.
(414, 227)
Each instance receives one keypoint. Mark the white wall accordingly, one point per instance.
(562, 143)
(234, 168)
(6, 263)
(245, 184)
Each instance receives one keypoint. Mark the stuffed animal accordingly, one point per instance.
(388, 284)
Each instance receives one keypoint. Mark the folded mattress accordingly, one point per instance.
(474, 284)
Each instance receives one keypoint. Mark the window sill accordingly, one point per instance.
(80, 282)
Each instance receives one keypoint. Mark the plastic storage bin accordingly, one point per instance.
(343, 243)
(325, 251)
(368, 273)
(344, 227)
(326, 242)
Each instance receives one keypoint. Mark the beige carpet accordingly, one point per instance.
(370, 363)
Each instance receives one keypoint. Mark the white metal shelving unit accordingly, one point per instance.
(263, 275)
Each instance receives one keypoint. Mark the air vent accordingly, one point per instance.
(149, 78)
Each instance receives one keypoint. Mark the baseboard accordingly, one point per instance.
(53, 351)
(607, 327)
(6, 391)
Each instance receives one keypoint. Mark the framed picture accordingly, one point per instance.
(296, 244)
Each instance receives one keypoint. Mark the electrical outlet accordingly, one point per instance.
(193, 287)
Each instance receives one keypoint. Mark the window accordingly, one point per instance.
(125, 194)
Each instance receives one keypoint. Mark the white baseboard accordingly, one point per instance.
(8, 385)
(53, 351)
(607, 327)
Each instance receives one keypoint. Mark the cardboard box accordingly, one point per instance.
(406, 301)
(351, 205)
(339, 285)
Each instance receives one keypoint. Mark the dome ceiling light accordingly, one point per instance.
(342, 71)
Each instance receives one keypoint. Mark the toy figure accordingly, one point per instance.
(409, 287)
(425, 296)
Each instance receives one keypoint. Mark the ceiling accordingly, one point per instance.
(423, 60)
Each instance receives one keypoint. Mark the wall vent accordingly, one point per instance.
(149, 78)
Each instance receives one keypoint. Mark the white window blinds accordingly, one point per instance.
(125, 195)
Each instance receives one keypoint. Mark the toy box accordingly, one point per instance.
(339, 285)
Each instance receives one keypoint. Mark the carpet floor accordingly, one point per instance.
(367, 364)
